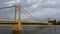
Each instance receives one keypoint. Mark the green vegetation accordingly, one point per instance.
(54, 22)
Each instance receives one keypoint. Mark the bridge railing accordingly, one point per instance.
(8, 21)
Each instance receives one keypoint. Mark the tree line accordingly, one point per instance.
(55, 22)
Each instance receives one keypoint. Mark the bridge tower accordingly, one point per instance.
(16, 28)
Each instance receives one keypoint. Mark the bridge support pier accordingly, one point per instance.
(16, 29)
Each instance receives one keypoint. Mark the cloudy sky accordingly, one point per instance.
(40, 10)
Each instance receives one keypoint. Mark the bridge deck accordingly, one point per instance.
(27, 24)
(10, 23)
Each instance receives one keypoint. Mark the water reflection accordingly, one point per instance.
(32, 30)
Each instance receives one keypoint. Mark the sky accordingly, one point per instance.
(41, 10)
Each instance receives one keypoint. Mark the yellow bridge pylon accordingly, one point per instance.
(17, 27)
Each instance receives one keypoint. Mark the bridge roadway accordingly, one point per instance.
(12, 22)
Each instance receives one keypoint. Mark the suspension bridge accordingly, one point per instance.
(16, 25)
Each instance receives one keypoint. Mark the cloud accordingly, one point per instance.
(40, 9)
(50, 4)
(34, 6)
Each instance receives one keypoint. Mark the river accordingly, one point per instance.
(33, 30)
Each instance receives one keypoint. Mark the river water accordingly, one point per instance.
(33, 30)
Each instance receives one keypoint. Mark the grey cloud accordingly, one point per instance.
(43, 7)
(51, 6)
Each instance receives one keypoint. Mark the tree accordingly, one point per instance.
(58, 22)
(54, 22)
